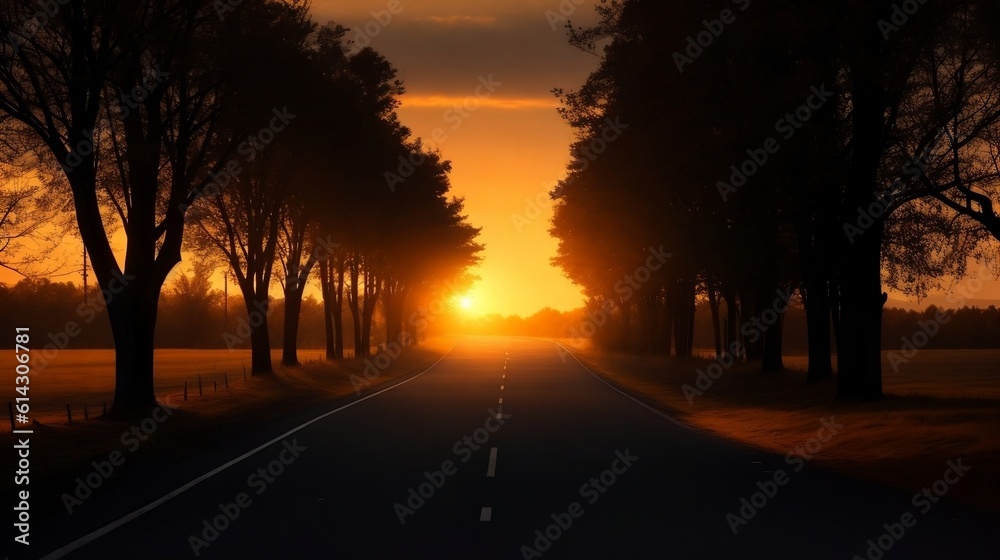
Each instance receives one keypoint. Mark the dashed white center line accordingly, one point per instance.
(491, 470)
(487, 512)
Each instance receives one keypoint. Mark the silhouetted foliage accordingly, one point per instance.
(809, 147)
(254, 133)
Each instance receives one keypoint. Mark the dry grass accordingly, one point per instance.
(86, 377)
(63, 451)
(941, 406)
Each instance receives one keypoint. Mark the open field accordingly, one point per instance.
(86, 376)
(941, 406)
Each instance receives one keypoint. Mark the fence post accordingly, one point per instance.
(185, 389)
(225, 377)
(199, 385)
(215, 386)
(69, 414)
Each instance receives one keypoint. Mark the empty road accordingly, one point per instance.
(508, 448)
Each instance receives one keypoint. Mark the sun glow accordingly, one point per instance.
(469, 304)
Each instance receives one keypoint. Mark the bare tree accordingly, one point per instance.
(124, 98)
(21, 218)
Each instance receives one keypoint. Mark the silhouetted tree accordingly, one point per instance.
(855, 190)
(124, 80)
(242, 215)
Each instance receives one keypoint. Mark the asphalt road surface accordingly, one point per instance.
(508, 449)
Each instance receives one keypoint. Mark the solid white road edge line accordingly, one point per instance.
(619, 391)
(59, 553)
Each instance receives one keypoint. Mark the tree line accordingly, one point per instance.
(250, 134)
(824, 149)
(193, 315)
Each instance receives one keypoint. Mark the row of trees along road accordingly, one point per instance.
(249, 131)
(826, 147)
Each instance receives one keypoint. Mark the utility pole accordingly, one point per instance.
(85, 273)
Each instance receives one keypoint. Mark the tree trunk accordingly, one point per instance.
(393, 302)
(859, 348)
(683, 312)
(372, 292)
(816, 297)
(289, 346)
(354, 304)
(326, 290)
(338, 311)
(258, 307)
(294, 290)
(732, 319)
(260, 350)
(691, 310)
(133, 295)
(713, 304)
(132, 314)
(771, 358)
(751, 347)
(817, 303)
(131, 304)
(859, 351)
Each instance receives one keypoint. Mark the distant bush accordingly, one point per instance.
(967, 328)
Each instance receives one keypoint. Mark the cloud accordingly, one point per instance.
(460, 20)
(442, 47)
(452, 101)
(522, 52)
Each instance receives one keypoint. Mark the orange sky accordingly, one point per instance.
(506, 148)
(513, 147)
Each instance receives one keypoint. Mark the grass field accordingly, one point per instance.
(940, 406)
(86, 378)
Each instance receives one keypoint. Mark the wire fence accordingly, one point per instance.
(90, 406)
